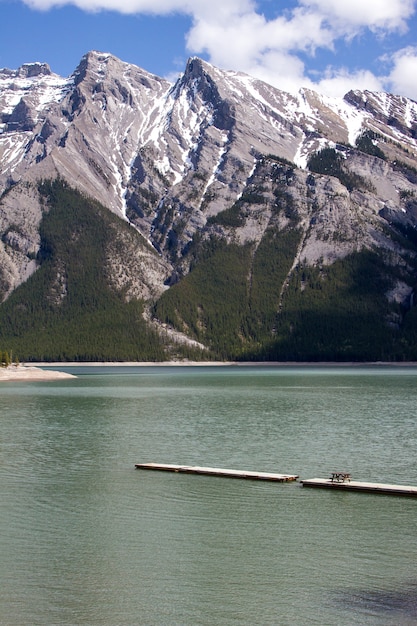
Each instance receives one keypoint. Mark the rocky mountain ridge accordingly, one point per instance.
(217, 154)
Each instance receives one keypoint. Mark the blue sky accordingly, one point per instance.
(328, 45)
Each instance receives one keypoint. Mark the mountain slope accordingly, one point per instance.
(80, 304)
(258, 219)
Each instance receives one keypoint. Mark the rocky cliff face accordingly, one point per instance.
(170, 158)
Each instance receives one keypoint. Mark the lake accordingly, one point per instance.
(88, 540)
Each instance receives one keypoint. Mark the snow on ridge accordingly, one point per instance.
(353, 118)
(42, 90)
(12, 150)
(184, 122)
(302, 107)
(304, 151)
(384, 100)
(249, 176)
(189, 121)
(249, 84)
(220, 158)
(276, 103)
(410, 116)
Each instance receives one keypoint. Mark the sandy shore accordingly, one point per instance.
(24, 372)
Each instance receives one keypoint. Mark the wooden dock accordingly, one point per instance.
(215, 471)
(401, 490)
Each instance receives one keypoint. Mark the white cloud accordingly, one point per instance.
(201, 8)
(285, 71)
(271, 49)
(402, 78)
(266, 49)
(339, 82)
(234, 34)
(356, 14)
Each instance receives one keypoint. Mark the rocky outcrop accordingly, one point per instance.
(170, 158)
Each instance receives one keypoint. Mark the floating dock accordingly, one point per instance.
(215, 471)
(353, 485)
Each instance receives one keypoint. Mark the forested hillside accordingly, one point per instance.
(68, 309)
(234, 300)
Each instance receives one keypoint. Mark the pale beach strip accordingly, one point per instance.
(14, 373)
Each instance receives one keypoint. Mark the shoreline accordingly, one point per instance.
(39, 371)
(16, 373)
(224, 364)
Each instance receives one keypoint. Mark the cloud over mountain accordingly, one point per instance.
(277, 45)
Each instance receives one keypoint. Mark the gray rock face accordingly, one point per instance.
(169, 157)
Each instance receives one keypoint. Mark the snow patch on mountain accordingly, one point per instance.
(223, 147)
(12, 150)
(40, 89)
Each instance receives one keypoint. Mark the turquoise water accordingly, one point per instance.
(88, 540)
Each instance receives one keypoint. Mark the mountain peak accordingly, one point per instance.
(90, 61)
(196, 67)
(29, 70)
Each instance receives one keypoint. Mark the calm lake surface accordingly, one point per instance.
(85, 539)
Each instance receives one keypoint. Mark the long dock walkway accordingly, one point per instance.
(216, 471)
(403, 490)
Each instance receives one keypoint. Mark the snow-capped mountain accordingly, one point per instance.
(94, 126)
(111, 125)
(170, 158)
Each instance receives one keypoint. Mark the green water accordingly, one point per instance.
(85, 539)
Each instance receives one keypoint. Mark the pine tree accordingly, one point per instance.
(5, 358)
